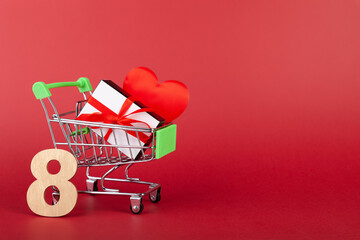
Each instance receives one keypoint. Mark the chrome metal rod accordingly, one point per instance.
(103, 178)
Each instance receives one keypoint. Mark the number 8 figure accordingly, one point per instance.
(35, 193)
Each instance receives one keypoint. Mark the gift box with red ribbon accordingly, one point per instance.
(111, 104)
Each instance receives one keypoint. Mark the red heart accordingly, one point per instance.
(168, 99)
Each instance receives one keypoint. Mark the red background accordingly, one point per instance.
(268, 147)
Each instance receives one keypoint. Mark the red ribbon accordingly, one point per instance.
(106, 115)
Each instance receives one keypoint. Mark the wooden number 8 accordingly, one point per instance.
(68, 192)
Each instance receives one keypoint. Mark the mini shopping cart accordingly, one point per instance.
(91, 150)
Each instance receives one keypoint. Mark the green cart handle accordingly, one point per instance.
(41, 90)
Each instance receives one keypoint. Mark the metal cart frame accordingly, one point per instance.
(91, 149)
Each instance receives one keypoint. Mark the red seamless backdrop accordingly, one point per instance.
(268, 147)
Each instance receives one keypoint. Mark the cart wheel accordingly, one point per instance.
(155, 196)
(96, 186)
(136, 209)
(92, 185)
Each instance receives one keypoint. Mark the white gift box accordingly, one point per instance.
(113, 97)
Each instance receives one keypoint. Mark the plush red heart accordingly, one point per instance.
(168, 99)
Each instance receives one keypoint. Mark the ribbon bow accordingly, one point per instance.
(106, 115)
